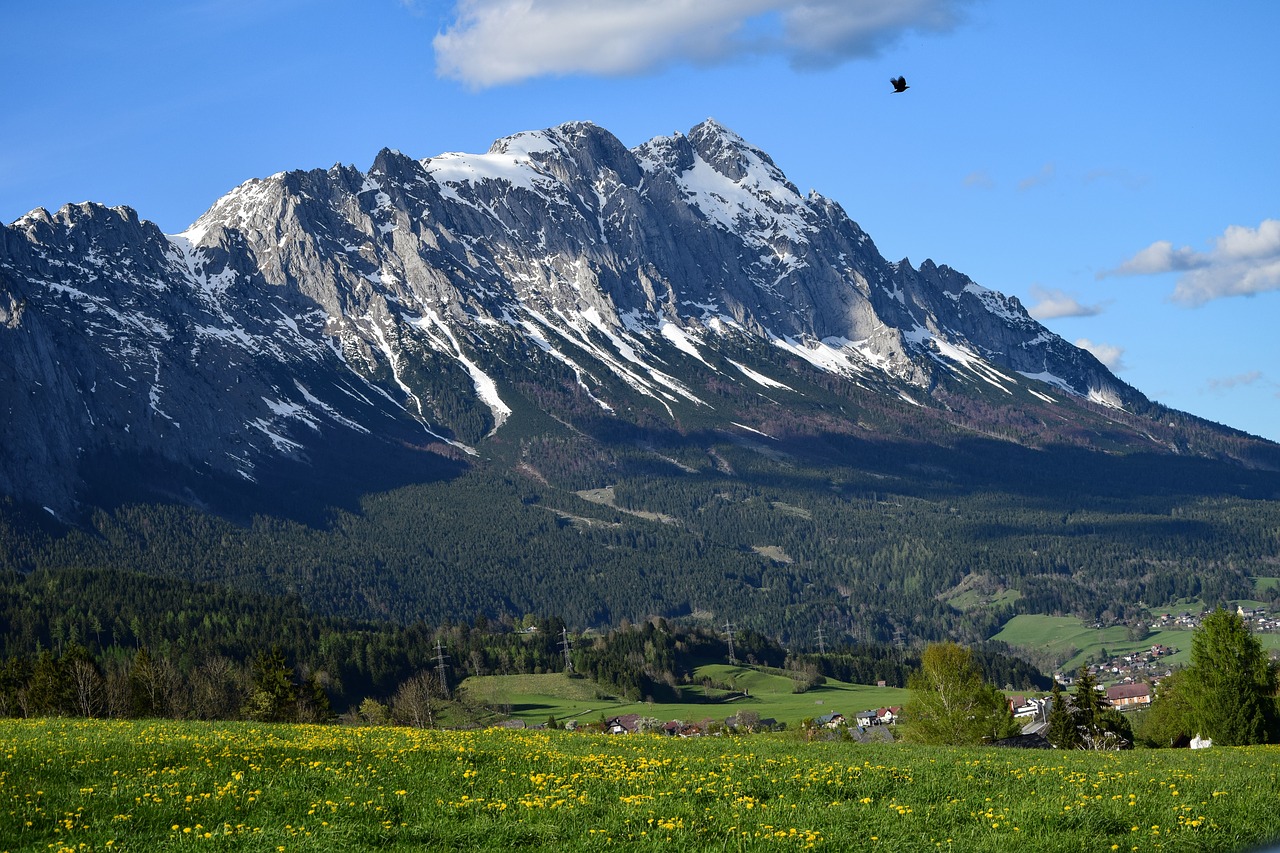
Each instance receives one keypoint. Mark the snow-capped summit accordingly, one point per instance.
(426, 303)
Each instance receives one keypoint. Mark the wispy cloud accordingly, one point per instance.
(980, 179)
(1243, 262)
(1040, 178)
(1227, 383)
(1125, 179)
(1109, 354)
(1051, 304)
(493, 42)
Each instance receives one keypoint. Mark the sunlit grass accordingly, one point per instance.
(80, 786)
(534, 698)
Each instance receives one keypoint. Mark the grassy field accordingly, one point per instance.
(1061, 634)
(163, 786)
(534, 698)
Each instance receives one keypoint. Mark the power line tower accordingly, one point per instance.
(565, 645)
(728, 629)
(899, 639)
(441, 672)
(822, 643)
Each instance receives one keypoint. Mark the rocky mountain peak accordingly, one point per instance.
(731, 155)
(427, 302)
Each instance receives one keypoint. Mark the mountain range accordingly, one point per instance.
(582, 326)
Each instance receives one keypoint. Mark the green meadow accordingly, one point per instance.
(1070, 640)
(535, 698)
(80, 785)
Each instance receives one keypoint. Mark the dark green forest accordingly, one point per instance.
(121, 644)
(711, 529)
(845, 510)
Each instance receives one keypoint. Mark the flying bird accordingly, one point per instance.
(899, 84)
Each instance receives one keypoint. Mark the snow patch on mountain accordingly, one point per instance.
(759, 378)
(453, 171)
(1105, 397)
(947, 351)
(1056, 381)
(486, 389)
(678, 337)
(821, 354)
(757, 207)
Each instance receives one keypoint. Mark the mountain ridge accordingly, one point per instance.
(567, 314)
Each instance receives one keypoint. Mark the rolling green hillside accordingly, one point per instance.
(1071, 643)
(534, 698)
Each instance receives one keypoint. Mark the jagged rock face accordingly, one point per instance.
(403, 304)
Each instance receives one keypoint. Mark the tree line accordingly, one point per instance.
(118, 644)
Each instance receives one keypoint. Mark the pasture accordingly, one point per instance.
(77, 785)
(534, 698)
(1070, 640)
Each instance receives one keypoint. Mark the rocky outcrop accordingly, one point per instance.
(405, 302)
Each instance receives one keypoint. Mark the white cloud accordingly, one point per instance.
(1241, 243)
(1110, 355)
(979, 179)
(492, 42)
(1243, 262)
(1239, 278)
(1051, 304)
(1159, 257)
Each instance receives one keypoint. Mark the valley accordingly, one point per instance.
(574, 380)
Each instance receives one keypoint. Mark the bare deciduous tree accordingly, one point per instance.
(414, 703)
(88, 685)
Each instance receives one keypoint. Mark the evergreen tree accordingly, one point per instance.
(313, 702)
(1088, 702)
(48, 691)
(1098, 725)
(273, 697)
(1062, 733)
(1168, 721)
(1231, 686)
(15, 673)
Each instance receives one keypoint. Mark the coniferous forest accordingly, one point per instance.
(918, 530)
(780, 542)
(119, 644)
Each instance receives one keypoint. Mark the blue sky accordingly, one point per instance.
(1116, 166)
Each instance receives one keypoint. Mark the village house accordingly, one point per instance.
(1023, 707)
(626, 724)
(831, 721)
(1124, 696)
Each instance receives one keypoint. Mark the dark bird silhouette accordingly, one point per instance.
(899, 84)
